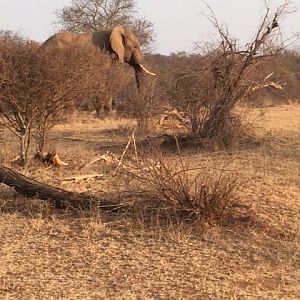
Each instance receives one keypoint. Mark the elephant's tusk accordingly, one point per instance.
(147, 71)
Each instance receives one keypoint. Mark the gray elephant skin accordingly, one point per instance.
(119, 40)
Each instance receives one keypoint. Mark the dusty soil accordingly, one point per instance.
(51, 254)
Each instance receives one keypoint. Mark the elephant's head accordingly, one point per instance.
(126, 45)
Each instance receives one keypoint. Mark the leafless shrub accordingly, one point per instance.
(144, 103)
(230, 73)
(40, 86)
(20, 73)
(195, 193)
(108, 88)
(207, 88)
(69, 75)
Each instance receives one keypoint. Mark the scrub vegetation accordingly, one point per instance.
(187, 189)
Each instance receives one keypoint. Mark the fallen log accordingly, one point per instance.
(58, 197)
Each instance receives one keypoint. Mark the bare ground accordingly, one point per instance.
(48, 254)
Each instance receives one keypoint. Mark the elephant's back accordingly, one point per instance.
(101, 39)
(67, 39)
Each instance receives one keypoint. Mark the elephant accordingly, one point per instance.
(119, 40)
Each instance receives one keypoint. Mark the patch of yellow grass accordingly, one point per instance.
(48, 254)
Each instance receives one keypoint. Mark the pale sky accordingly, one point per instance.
(179, 24)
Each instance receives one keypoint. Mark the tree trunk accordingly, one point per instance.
(41, 137)
(59, 197)
(23, 156)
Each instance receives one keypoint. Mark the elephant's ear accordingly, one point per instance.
(116, 41)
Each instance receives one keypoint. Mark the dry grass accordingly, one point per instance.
(48, 254)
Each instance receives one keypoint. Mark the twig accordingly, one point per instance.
(124, 152)
(134, 144)
(102, 157)
(83, 177)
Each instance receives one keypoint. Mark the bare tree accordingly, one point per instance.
(208, 86)
(38, 87)
(92, 15)
(20, 75)
(75, 75)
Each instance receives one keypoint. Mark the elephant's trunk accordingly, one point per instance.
(138, 76)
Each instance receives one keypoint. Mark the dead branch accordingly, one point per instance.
(108, 157)
(175, 114)
(58, 197)
(271, 84)
(131, 140)
(50, 158)
(87, 177)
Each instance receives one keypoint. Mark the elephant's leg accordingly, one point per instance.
(103, 107)
(108, 105)
(99, 112)
(98, 106)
